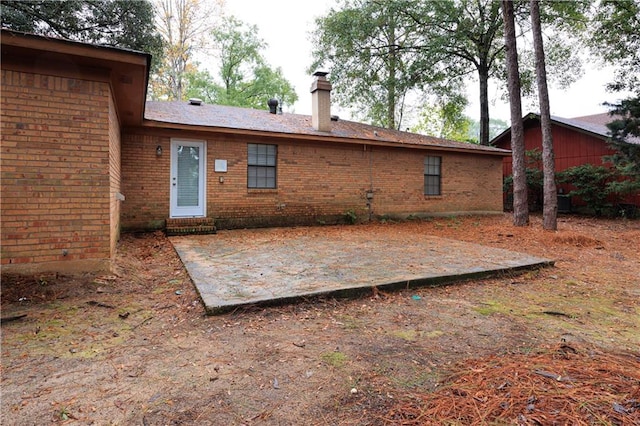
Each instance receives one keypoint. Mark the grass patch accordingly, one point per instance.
(334, 359)
(350, 323)
(409, 335)
(454, 222)
(489, 308)
(413, 335)
(417, 377)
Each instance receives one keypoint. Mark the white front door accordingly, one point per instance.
(188, 172)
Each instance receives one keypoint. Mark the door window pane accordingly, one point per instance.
(188, 172)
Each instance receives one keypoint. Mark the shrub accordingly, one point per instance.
(350, 216)
(592, 185)
(535, 180)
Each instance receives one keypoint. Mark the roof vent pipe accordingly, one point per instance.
(273, 105)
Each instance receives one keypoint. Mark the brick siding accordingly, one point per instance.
(114, 176)
(55, 172)
(316, 182)
(145, 182)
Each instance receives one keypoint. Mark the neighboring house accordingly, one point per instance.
(576, 141)
(84, 156)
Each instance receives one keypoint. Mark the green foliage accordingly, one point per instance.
(626, 159)
(117, 23)
(535, 179)
(467, 36)
(595, 185)
(614, 37)
(445, 119)
(247, 81)
(201, 85)
(351, 217)
(334, 359)
(373, 51)
(622, 19)
(591, 183)
(184, 26)
(496, 126)
(238, 47)
(563, 24)
(382, 53)
(64, 414)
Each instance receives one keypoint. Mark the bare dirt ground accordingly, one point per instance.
(554, 346)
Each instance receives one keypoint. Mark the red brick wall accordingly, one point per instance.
(145, 182)
(55, 173)
(316, 182)
(114, 176)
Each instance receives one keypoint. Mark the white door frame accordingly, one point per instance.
(201, 208)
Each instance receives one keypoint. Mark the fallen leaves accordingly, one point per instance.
(173, 365)
(561, 385)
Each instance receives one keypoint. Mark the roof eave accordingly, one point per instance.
(128, 68)
(532, 116)
(154, 124)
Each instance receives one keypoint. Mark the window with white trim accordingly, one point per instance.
(432, 175)
(261, 165)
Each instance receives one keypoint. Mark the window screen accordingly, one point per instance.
(432, 175)
(261, 170)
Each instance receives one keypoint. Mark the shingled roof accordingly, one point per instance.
(598, 123)
(594, 124)
(227, 119)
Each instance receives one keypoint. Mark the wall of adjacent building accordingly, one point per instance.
(317, 182)
(58, 154)
(571, 148)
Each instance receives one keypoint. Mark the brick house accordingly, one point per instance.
(64, 106)
(84, 156)
(576, 141)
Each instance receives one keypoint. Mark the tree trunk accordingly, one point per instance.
(391, 103)
(520, 203)
(483, 78)
(550, 206)
(391, 78)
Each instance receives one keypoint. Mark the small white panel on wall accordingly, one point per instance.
(221, 166)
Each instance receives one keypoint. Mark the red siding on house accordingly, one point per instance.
(571, 148)
(316, 182)
(55, 172)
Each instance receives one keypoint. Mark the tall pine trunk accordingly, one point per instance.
(520, 203)
(483, 78)
(550, 206)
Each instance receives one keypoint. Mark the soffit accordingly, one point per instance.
(126, 70)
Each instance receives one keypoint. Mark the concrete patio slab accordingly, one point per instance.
(243, 267)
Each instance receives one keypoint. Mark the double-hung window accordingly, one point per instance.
(432, 176)
(261, 162)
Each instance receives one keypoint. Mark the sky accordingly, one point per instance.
(285, 25)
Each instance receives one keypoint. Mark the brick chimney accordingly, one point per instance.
(321, 102)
